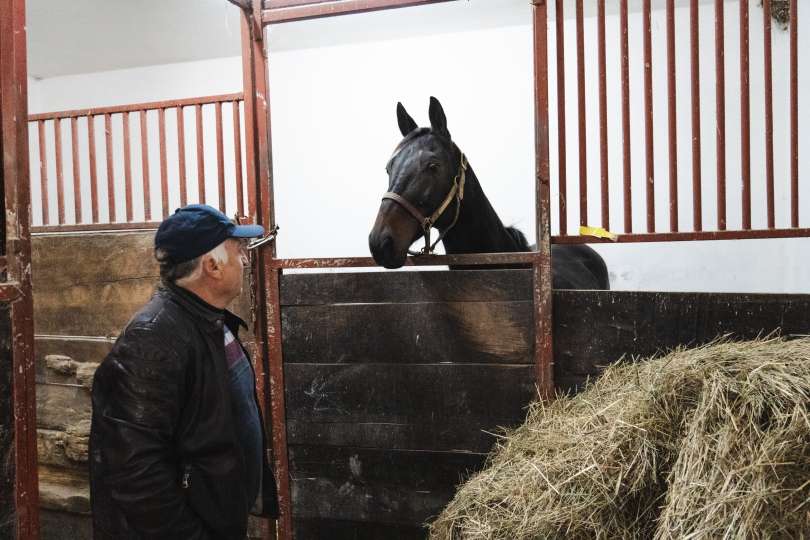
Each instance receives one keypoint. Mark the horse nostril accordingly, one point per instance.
(379, 244)
(386, 244)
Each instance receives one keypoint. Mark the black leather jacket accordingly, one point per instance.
(164, 456)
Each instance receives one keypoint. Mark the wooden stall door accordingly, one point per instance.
(396, 382)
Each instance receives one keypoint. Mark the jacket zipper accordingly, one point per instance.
(186, 477)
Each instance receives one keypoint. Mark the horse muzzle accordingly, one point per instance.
(393, 233)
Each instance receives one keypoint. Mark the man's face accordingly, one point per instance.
(233, 270)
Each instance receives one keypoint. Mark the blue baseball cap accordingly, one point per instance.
(196, 229)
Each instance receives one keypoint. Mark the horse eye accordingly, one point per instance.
(433, 166)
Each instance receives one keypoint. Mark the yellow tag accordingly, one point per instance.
(598, 232)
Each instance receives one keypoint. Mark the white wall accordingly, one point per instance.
(334, 127)
(153, 83)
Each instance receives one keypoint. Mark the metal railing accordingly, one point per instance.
(658, 124)
(104, 153)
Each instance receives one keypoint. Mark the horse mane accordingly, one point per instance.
(519, 238)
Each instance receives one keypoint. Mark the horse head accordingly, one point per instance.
(425, 188)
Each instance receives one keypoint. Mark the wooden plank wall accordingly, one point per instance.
(396, 381)
(86, 287)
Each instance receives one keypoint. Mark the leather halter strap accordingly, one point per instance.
(456, 192)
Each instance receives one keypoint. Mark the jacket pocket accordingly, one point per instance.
(219, 502)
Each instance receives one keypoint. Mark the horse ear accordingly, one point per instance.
(406, 123)
(438, 121)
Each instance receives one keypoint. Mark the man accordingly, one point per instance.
(177, 448)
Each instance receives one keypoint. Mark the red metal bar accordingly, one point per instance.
(220, 159)
(720, 62)
(745, 116)
(77, 188)
(147, 186)
(91, 144)
(181, 154)
(603, 147)
(673, 119)
(250, 130)
(268, 360)
(17, 207)
(697, 195)
(648, 118)
(750, 234)
(625, 49)
(112, 212)
(164, 169)
(200, 155)
(421, 260)
(794, 114)
(295, 12)
(43, 174)
(543, 353)
(127, 168)
(97, 227)
(766, 12)
(583, 160)
(278, 409)
(561, 133)
(237, 159)
(267, 216)
(137, 107)
(60, 176)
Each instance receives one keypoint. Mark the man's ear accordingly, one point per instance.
(211, 267)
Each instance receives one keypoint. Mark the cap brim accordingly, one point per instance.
(247, 231)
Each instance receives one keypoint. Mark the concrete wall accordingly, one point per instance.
(86, 287)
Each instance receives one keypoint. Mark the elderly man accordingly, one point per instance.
(177, 447)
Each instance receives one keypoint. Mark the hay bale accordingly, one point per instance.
(712, 442)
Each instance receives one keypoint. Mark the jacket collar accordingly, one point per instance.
(210, 316)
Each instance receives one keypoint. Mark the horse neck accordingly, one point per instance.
(478, 229)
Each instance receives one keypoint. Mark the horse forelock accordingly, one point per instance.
(418, 132)
(410, 137)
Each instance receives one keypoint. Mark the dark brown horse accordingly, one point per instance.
(431, 185)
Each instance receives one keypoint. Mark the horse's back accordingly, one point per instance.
(578, 267)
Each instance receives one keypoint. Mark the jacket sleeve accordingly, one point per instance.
(137, 398)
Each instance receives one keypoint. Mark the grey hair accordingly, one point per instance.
(184, 272)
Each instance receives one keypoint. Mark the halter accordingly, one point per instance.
(456, 192)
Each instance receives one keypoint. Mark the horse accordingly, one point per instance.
(431, 185)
